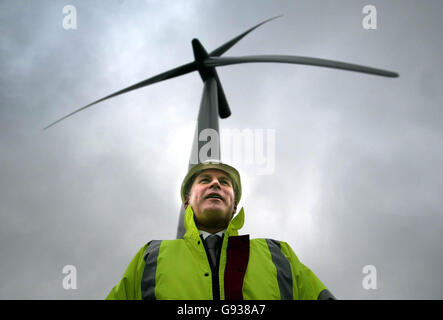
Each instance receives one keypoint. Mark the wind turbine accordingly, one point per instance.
(213, 102)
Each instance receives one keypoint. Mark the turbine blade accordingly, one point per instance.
(225, 47)
(223, 107)
(179, 71)
(215, 62)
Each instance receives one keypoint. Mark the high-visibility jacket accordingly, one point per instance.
(256, 269)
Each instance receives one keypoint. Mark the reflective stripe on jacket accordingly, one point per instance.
(256, 269)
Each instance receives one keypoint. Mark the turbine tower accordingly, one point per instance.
(213, 102)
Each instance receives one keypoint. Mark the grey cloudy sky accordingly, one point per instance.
(357, 176)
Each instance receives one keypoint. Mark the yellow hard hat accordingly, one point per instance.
(212, 164)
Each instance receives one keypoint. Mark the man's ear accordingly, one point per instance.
(186, 203)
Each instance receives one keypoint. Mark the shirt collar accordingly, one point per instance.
(206, 234)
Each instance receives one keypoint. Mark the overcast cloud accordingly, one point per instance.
(357, 176)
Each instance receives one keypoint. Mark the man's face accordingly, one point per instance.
(212, 200)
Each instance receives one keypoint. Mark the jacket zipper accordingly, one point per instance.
(215, 278)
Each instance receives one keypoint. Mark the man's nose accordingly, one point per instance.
(215, 184)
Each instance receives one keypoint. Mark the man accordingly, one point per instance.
(213, 261)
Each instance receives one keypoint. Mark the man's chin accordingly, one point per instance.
(215, 214)
(212, 220)
(213, 210)
(213, 205)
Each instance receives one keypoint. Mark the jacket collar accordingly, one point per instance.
(235, 224)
